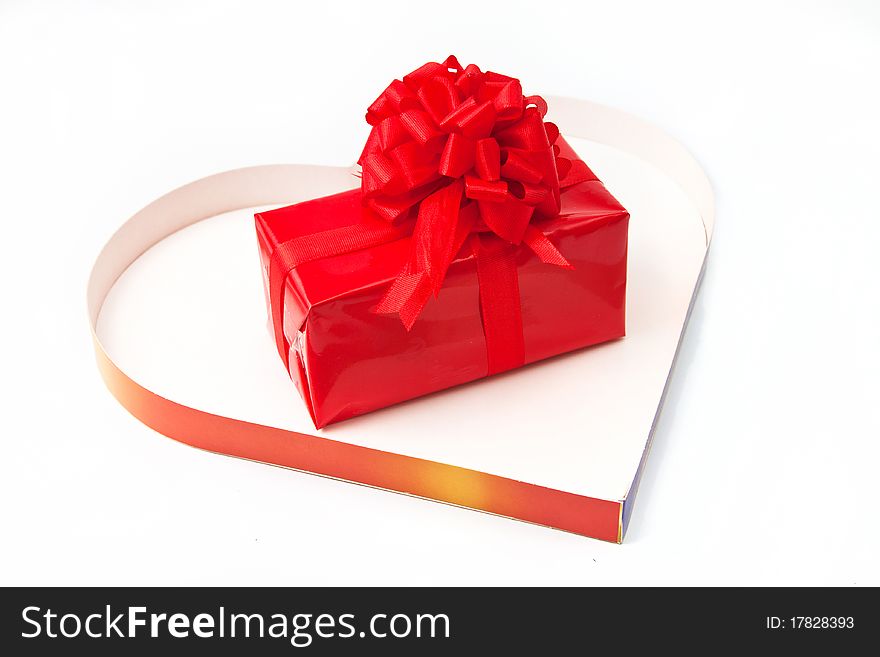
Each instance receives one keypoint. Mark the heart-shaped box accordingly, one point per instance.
(560, 443)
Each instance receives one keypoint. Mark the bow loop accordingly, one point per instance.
(470, 80)
(396, 98)
(487, 159)
(439, 97)
(485, 190)
(451, 64)
(509, 101)
(515, 165)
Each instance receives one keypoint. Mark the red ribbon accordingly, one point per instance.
(456, 156)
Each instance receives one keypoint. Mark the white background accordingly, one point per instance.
(764, 467)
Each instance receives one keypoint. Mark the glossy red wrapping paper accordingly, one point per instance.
(347, 360)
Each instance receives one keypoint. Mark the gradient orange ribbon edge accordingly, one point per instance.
(363, 465)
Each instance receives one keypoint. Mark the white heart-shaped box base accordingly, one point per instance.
(184, 321)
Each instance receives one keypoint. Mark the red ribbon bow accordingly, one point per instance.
(467, 153)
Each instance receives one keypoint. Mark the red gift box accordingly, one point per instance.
(335, 268)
